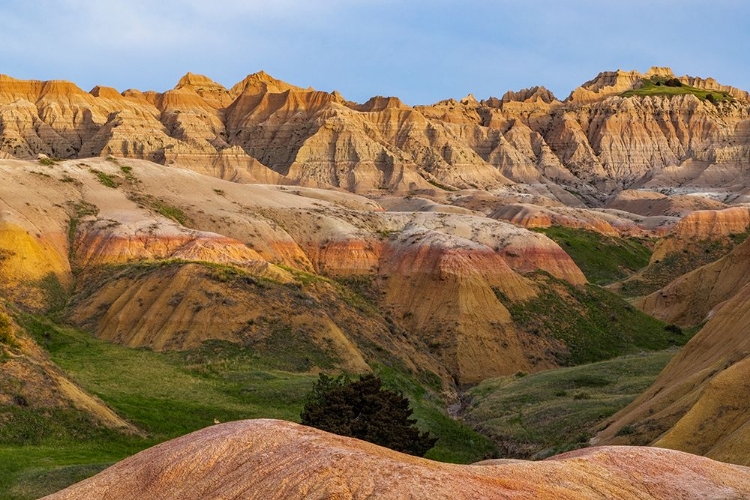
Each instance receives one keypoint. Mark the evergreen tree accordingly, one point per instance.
(364, 410)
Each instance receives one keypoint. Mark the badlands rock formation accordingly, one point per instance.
(692, 298)
(265, 130)
(267, 459)
(167, 258)
(699, 402)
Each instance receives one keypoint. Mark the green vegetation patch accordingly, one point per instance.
(6, 330)
(55, 294)
(542, 414)
(48, 162)
(457, 442)
(603, 259)
(161, 207)
(661, 86)
(594, 323)
(127, 171)
(440, 185)
(662, 272)
(168, 394)
(106, 179)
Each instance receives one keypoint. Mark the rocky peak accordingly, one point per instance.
(380, 103)
(534, 94)
(660, 71)
(260, 82)
(105, 92)
(199, 82)
(605, 84)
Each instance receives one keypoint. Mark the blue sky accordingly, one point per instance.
(421, 51)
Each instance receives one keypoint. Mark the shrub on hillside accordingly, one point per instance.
(364, 410)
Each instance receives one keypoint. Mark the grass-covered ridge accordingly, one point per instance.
(542, 414)
(603, 259)
(660, 86)
(594, 323)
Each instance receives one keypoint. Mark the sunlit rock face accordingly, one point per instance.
(265, 130)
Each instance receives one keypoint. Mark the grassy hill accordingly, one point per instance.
(659, 86)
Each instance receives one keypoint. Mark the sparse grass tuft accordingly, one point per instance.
(162, 208)
(48, 162)
(440, 185)
(106, 179)
(128, 173)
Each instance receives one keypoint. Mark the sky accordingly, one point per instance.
(420, 51)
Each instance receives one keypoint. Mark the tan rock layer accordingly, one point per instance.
(264, 130)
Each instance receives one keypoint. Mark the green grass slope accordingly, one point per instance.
(657, 86)
(550, 412)
(171, 394)
(603, 259)
(594, 323)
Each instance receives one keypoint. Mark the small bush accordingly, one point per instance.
(626, 431)
(364, 410)
(47, 162)
(672, 328)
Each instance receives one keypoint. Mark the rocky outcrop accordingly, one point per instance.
(655, 204)
(702, 225)
(31, 382)
(265, 130)
(274, 459)
(607, 223)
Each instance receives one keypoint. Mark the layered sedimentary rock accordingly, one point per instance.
(699, 401)
(693, 297)
(273, 459)
(167, 258)
(265, 130)
(610, 223)
(703, 225)
(654, 204)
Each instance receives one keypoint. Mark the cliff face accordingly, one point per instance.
(265, 130)
(274, 459)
